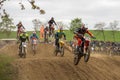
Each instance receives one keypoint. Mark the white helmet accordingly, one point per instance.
(34, 32)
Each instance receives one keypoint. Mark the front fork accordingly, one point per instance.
(23, 49)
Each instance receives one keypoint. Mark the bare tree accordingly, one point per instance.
(36, 23)
(100, 27)
(22, 6)
(61, 24)
(6, 24)
(32, 2)
(113, 25)
(2, 1)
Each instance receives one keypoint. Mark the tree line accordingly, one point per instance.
(7, 24)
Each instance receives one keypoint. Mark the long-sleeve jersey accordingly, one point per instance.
(51, 22)
(20, 25)
(33, 37)
(24, 37)
(59, 35)
(82, 31)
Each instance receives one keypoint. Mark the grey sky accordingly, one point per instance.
(91, 11)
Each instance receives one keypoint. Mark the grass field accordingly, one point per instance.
(108, 36)
(69, 34)
(6, 69)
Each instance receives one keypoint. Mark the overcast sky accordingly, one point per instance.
(91, 11)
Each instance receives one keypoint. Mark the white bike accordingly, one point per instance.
(22, 52)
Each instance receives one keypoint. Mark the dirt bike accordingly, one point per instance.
(78, 52)
(51, 31)
(22, 52)
(60, 49)
(46, 36)
(34, 46)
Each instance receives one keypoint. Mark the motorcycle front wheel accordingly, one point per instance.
(56, 51)
(77, 58)
(87, 55)
(62, 51)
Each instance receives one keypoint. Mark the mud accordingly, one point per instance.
(45, 66)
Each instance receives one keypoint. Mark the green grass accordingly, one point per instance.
(3, 35)
(6, 69)
(69, 34)
(108, 36)
(99, 35)
(12, 35)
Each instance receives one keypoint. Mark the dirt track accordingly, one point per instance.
(45, 66)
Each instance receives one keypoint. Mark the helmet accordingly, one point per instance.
(82, 25)
(84, 28)
(34, 32)
(52, 18)
(61, 28)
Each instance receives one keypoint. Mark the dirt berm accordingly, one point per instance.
(45, 66)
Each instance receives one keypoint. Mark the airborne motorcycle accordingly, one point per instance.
(79, 51)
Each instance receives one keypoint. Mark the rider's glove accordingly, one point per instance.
(93, 37)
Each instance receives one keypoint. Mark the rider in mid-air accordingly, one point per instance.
(51, 22)
(79, 36)
(59, 35)
(20, 28)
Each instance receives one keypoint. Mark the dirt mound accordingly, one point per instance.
(45, 66)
